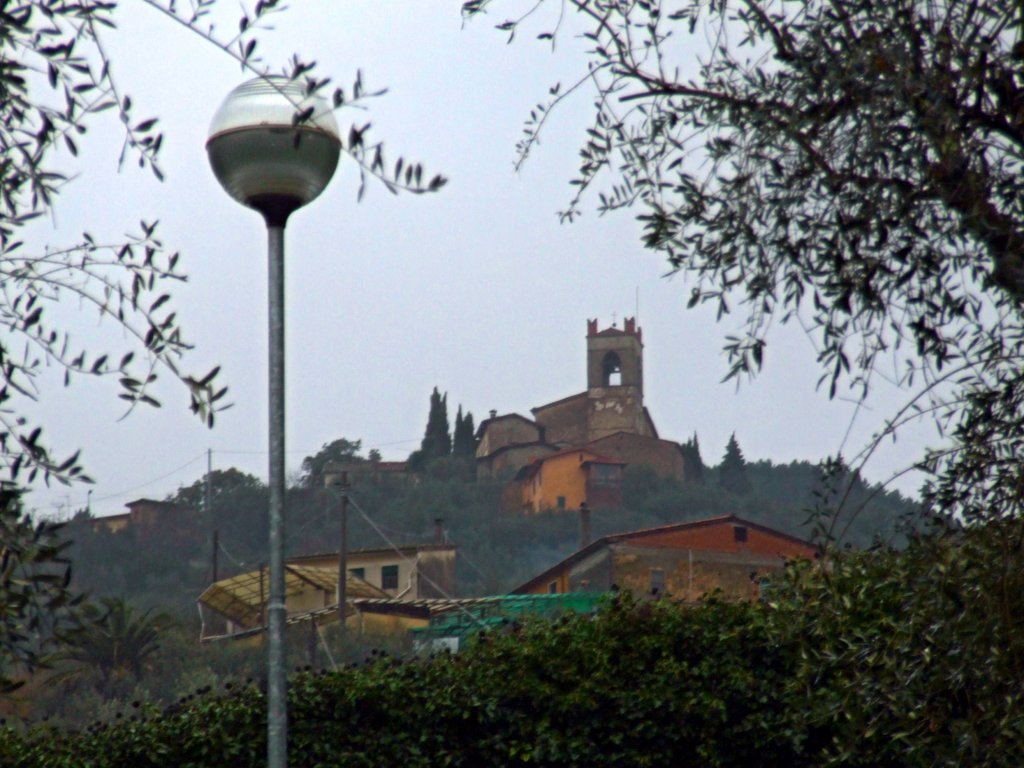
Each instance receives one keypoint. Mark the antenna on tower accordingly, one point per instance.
(636, 313)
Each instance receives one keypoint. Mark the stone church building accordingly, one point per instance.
(608, 418)
(614, 398)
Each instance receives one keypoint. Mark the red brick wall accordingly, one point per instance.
(691, 574)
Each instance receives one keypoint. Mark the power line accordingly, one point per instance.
(232, 558)
(148, 483)
(191, 461)
(471, 564)
(313, 451)
(422, 575)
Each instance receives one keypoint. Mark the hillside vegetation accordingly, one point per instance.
(497, 550)
(155, 575)
(911, 658)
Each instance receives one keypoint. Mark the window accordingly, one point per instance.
(561, 502)
(657, 581)
(606, 475)
(553, 587)
(389, 577)
(359, 573)
(739, 534)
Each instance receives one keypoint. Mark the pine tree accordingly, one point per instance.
(732, 472)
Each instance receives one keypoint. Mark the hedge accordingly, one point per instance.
(882, 659)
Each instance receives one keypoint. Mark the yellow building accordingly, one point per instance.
(410, 572)
(567, 479)
(236, 607)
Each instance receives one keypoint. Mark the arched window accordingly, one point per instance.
(612, 370)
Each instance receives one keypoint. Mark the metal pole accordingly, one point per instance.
(263, 607)
(343, 556)
(277, 681)
(311, 642)
(216, 546)
(209, 491)
(209, 510)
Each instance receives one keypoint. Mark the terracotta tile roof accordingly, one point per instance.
(633, 536)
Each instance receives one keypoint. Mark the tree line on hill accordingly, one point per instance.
(496, 551)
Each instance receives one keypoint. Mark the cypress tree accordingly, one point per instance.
(693, 463)
(437, 439)
(470, 429)
(464, 439)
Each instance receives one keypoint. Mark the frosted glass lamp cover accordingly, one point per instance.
(261, 158)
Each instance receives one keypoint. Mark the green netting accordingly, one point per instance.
(491, 612)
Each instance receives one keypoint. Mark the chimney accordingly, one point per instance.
(494, 413)
(439, 531)
(584, 525)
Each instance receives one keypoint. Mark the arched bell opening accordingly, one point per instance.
(611, 368)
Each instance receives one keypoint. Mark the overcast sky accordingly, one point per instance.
(478, 290)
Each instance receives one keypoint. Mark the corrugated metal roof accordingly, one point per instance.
(447, 616)
(241, 598)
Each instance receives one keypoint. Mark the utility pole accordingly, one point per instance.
(311, 642)
(209, 493)
(263, 606)
(584, 524)
(343, 554)
(216, 546)
(208, 509)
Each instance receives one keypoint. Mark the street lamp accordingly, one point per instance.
(274, 148)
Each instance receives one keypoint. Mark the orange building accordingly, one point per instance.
(566, 479)
(684, 561)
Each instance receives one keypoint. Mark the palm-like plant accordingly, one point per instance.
(113, 640)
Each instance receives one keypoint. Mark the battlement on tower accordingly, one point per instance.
(630, 328)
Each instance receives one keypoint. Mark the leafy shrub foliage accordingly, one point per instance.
(913, 658)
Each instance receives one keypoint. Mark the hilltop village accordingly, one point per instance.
(562, 587)
(574, 450)
(558, 485)
(520, 518)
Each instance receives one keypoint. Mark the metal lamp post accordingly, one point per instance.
(267, 160)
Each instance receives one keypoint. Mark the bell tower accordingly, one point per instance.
(615, 357)
(615, 380)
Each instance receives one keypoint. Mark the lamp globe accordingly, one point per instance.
(263, 156)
